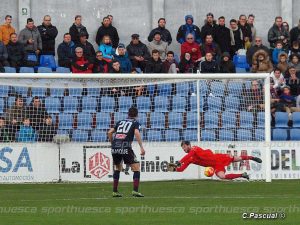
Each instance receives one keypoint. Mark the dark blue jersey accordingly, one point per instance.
(124, 134)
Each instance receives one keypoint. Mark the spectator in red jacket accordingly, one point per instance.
(81, 64)
(192, 47)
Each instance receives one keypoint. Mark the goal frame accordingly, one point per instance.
(200, 76)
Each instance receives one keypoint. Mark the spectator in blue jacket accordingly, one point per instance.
(123, 59)
(188, 28)
(26, 132)
(66, 51)
(106, 48)
(277, 50)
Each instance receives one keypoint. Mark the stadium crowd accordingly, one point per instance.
(214, 48)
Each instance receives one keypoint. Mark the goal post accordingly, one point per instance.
(205, 107)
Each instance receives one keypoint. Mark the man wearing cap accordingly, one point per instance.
(107, 29)
(88, 49)
(209, 27)
(121, 57)
(159, 45)
(48, 34)
(165, 33)
(188, 28)
(138, 52)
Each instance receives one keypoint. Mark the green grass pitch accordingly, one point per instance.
(165, 203)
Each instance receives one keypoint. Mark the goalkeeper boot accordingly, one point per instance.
(245, 175)
(116, 194)
(256, 159)
(137, 194)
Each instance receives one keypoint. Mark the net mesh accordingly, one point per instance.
(83, 110)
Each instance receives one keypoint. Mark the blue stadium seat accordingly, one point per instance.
(183, 89)
(235, 88)
(11, 101)
(44, 70)
(84, 121)
(57, 92)
(32, 57)
(190, 135)
(95, 92)
(75, 92)
(26, 70)
(142, 119)
(281, 119)
(157, 120)
(193, 103)
(70, 104)
(208, 135)
(28, 100)
(295, 134)
(164, 89)
(120, 116)
(9, 69)
(191, 120)
(54, 118)
(2, 105)
(103, 120)
(80, 135)
(150, 90)
(48, 61)
(211, 120)
(52, 105)
(246, 119)
(259, 135)
(63, 132)
(161, 104)
(203, 88)
(248, 84)
(143, 104)
(63, 70)
(107, 104)
(240, 61)
(154, 135)
(172, 135)
(99, 135)
(296, 119)
(279, 135)
(243, 135)
(261, 119)
(228, 119)
(240, 70)
(217, 88)
(176, 58)
(232, 103)
(125, 102)
(89, 104)
(23, 91)
(65, 121)
(214, 104)
(175, 120)
(38, 91)
(226, 135)
(179, 104)
(4, 90)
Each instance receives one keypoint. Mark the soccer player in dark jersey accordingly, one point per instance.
(206, 158)
(121, 137)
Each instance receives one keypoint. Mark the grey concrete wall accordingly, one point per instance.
(296, 14)
(136, 16)
(9, 7)
(129, 17)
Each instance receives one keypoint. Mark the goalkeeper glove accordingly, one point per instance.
(172, 166)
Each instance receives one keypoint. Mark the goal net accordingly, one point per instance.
(223, 112)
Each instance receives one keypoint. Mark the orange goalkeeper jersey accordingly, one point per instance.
(204, 158)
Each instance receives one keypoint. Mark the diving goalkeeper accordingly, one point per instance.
(206, 158)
